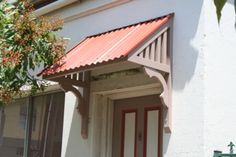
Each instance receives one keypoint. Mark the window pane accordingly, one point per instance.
(12, 129)
(129, 134)
(41, 3)
(152, 133)
(39, 106)
(46, 123)
(46, 138)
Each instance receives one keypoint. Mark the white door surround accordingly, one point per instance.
(101, 115)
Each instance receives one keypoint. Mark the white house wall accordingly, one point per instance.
(72, 143)
(220, 76)
(187, 137)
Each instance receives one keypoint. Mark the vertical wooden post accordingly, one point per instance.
(85, 115)
(28, 127)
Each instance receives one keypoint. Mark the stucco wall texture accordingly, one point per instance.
(204, 71)
(219, 79)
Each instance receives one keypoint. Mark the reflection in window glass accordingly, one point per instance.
(13, 135)
(45, 127)
(46, 139)
(23, 117)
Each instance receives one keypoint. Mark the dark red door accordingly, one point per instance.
(136, 128)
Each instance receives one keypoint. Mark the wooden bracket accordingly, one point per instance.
(165, 95)
(69, 84)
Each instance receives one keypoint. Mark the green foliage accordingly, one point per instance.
(235, 6)
(219, 4)
(26, 43)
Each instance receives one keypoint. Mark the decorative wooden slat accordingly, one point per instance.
(143, 54)
(164, 48)
(152, 51)
(158, 49)
(81, 76)
(74, 76)
(147, 52)
(77, 76)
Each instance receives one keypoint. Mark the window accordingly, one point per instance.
(47, 6)
(43, 7)
(23, 117)
(32, 128)
(41, 3)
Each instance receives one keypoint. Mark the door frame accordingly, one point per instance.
(101, 116)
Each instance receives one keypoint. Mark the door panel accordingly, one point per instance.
(125, 132)
(128, 134)
(151, 132)
(136, 127)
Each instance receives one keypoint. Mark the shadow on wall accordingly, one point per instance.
(187, 44)
(231, 2)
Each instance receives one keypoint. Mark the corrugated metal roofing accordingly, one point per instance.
(111, 45)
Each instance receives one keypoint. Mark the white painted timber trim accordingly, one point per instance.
(95, 10)
(136, 89)
(136, 93)
(53, 6)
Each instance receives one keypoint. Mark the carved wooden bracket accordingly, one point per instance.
(71, 83)
(165, 95)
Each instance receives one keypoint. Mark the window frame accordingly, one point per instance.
(42, 3)
(54, 6)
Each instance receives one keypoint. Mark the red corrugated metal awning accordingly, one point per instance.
(108, 46)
